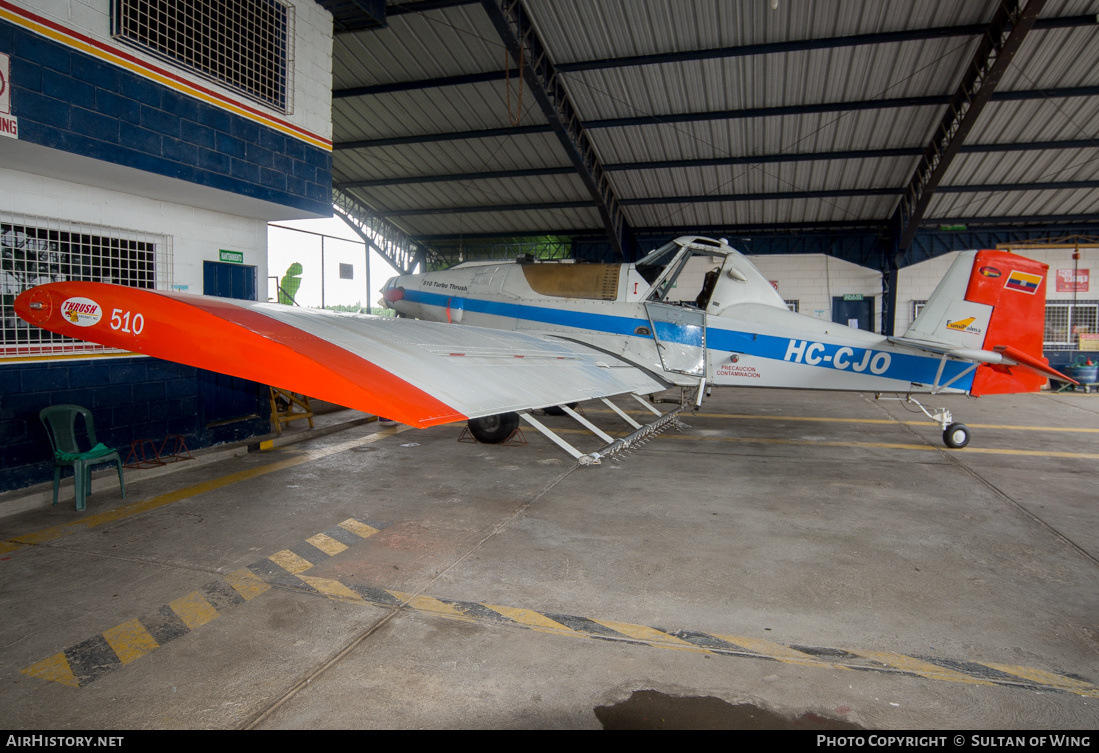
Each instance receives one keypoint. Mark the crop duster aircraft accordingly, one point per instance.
(488, 342)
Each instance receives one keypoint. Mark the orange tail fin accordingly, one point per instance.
(1015, 287)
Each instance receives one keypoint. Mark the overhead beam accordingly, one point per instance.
(759, 159)
(732, 231)
(1059, 185)
(824, 43)
(456, 177)
(431, 138)
(432, 83)
(423, 6)
(1009, 27)
(755, 112)
(802, 45)
(524, 44)
(825, 107)
(526, 207)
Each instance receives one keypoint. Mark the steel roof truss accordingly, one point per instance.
(1010, 25)
(521, 39)
(397, 247)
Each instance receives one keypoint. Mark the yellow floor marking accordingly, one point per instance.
(888, 446)
(327, 544)
(136, 508)
(777, 651)
(246, 583)
(883, 421)
(1046, 678)
(54, 669)
(651, 635)
(921, 668)
(531, 619)
(429, 604)
(194, 610)
(130, 640)
(333, 589)
(362, 530)
(290, 562)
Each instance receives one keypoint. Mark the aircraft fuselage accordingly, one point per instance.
(728, 327)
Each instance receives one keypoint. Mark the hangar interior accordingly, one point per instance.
(850, 149)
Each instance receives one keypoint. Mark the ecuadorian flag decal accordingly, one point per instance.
(1027, 283)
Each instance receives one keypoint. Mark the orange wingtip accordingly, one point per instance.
(218, 335)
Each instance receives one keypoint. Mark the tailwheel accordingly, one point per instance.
(956, 436)
(493, 429)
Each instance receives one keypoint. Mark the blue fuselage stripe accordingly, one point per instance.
(901, 366)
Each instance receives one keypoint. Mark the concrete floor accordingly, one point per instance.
(789, 559)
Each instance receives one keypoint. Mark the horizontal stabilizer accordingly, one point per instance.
(1037, 364)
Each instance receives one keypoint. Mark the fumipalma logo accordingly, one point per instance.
(964, 325)
(83, 312)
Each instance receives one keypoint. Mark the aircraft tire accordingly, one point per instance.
(956, 436)
(554, 410)
(493, 429)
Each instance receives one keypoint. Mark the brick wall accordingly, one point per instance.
(68, 100)
(130, 398)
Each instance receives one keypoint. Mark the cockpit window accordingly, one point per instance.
(653, 264)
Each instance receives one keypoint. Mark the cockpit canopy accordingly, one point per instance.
(690, 270)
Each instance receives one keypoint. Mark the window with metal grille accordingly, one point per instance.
(793, 305)
(36, 250)
(244, 43)
(917, 307)
(1065, 322)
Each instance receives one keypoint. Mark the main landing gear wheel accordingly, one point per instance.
(956, 436)
(493, 429)
(556, 410)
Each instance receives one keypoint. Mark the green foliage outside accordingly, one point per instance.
(449, 254)
(357, 308)
(288, 287)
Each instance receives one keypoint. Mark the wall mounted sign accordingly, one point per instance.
(1069, 281)
(9, 126)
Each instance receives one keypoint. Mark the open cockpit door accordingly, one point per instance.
(682, 275)
(680, 335)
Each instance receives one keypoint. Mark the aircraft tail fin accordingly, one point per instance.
(992, 301)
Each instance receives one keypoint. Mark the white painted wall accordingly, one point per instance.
(916, 283)
(814, 279)
(196, 235)
(312, 70)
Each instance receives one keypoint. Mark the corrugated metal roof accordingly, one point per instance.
(809, 113)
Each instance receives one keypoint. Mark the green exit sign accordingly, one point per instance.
(852, 296)
(234, 257)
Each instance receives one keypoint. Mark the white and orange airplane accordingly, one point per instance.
(489, 342)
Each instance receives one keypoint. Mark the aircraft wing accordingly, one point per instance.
(419, 373)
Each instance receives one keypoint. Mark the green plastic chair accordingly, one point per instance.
(60, 423)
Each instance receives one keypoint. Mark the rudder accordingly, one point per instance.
(1015, 287)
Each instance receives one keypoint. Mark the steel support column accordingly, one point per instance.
(1010, 25)
(525, 46)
